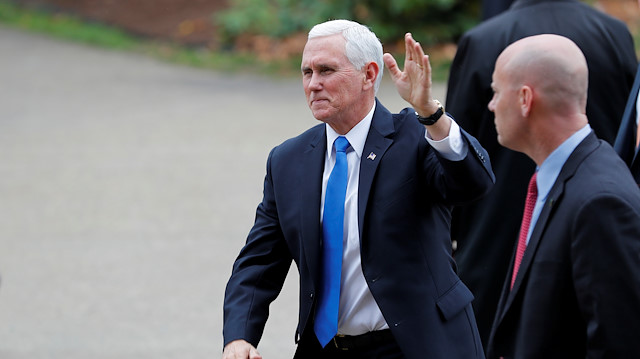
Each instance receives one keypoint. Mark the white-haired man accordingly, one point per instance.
(365, 220)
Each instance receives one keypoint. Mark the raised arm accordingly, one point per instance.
(414, 85)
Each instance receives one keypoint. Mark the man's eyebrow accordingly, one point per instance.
(319, 67)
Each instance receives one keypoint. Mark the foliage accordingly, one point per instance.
(431, 21)
(72, 28)
(66, 26)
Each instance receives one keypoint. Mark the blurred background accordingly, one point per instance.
(260, 35)
(133, 140)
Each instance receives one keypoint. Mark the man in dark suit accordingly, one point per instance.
(573, 287)
(482, 233)
(628, 139)
(399, 295)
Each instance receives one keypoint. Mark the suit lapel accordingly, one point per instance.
(553, 200)
(378, 141)
(312, 166)
(509, 294)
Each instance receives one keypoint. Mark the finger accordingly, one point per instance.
(418, 55)
(418, 52)
(427, 75)
(408, 47)
(253, 354)
(392, 65)
(427, 63)
(238, 349)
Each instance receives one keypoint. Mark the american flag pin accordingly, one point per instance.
(372, 156)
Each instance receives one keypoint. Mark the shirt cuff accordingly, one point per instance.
(452, 147)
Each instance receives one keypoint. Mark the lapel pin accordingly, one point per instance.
(372, 156)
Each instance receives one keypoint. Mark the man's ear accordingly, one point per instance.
(371, 72)
(525, 100)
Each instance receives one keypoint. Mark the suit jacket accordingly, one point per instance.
(625, 143)
(491, 8)
(484, 238)
(577, 292)
(404, 201)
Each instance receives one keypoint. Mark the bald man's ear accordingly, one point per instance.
(525, 100)
(371, 71)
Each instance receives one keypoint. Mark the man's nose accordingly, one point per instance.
(315, 82)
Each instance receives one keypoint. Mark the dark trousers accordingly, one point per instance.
(378, 345)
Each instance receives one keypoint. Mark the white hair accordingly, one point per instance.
(362, 45)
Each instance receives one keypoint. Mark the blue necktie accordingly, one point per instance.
(326, 321)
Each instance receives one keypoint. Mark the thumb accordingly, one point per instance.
(392, 65)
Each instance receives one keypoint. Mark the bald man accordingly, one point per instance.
(483, 239)
(573, 290)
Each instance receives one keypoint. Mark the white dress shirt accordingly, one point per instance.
(358, 312)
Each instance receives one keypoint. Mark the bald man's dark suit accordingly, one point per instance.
(405, 195)
(577, 292)
(486, 230)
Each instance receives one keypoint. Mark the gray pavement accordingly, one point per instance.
(127, 188)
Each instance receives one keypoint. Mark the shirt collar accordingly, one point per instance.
(550, 169)
(357, 136)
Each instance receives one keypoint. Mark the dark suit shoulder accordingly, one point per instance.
(599, 170)
(309, 138)
(532, 17)
(406, 117)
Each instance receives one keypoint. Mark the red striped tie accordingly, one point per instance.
(530, 203)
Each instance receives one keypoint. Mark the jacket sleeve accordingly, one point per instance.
(258, 273)
(460, 182)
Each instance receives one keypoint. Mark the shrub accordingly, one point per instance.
(431, 21)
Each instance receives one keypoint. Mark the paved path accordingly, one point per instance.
(127, 188)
